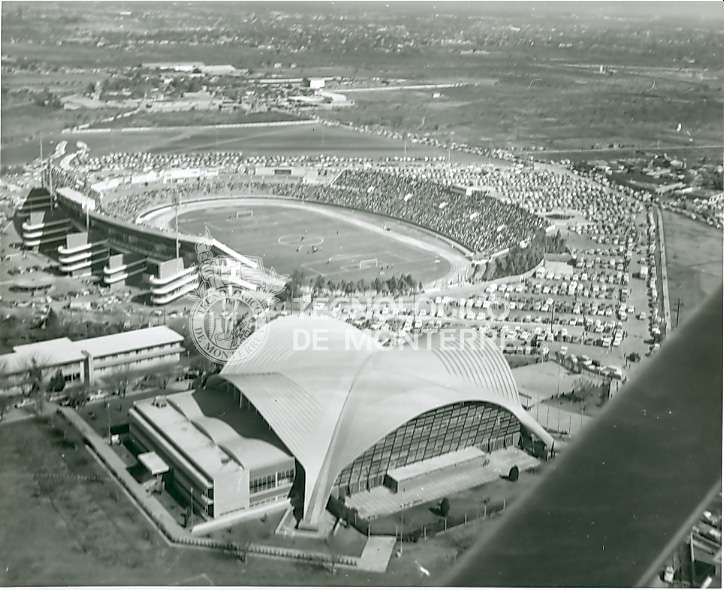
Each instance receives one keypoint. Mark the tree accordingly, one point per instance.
(5, 403)
(53, 325)
(78, 394)
(57, 382)
(444, 507)
(165, 373)
(118, 381)
(490, 270)
(318, 285)
(33, 379)
(410, 282)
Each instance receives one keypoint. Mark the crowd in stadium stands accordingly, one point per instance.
(478, 222)
(504, 206)
(121, 163)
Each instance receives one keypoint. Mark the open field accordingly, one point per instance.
(284, 234)
(79, 528)
(694, 261)
(287, 140)
(198, 117)
(24, 124)
(691, 152)
(555, 106)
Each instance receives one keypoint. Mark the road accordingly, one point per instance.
(403, 87)
(673, 148)
(663, 272)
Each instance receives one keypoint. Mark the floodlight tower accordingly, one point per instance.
(176, 204)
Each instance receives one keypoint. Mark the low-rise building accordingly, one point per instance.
(91, 360)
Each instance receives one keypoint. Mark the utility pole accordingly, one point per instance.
(108, 419)
(553, 307)
(176, 200)
(679, 304)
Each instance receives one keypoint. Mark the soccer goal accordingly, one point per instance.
(368, 263)
(244, 213)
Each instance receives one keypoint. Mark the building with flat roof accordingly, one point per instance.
(93, 359)
(223, 458)
(351, 412)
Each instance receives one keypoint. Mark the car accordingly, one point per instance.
(711, 519)
(97, 395)
(710, 533)
(25, 402)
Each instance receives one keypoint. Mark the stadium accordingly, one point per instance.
(140, 219)
(379, 427)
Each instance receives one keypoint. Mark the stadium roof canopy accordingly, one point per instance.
(330, 392)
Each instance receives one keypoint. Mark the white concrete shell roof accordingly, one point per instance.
(330, 403)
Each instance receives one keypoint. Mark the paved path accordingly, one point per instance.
(403, 87)
(663, 272)
(376, 554)
(77, 131)
(380, 501)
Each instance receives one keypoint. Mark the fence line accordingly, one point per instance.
(168, 527)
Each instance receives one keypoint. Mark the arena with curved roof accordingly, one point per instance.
(350, 412)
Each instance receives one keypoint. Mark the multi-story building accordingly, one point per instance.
(91, 360)
(223, 458)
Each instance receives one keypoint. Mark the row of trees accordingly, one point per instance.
(298, 284)
(45, 98)
(14, 331)
(521, 259)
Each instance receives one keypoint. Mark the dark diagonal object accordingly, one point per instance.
(613, 506)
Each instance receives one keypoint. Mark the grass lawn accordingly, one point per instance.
(275, 232)
(62, 522)
(694, 260)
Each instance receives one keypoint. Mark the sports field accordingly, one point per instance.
(320, 240)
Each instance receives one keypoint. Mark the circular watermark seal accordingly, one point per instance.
(223, 320)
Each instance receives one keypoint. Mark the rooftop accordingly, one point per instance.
(125, 341)
(436, 463)
(61, 351)
(195, 445)
(153, 463)
(213, 431)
